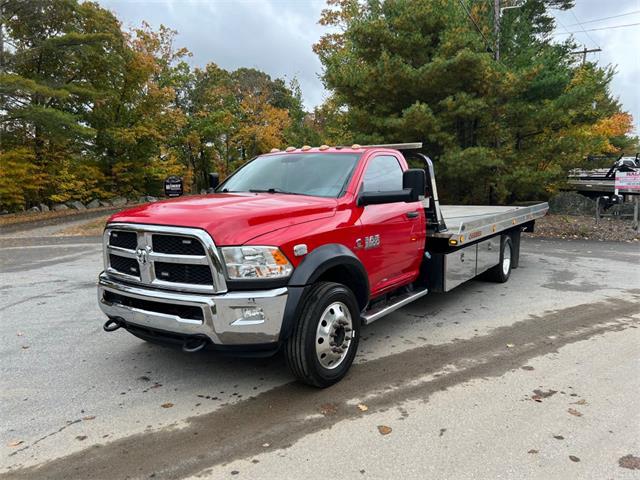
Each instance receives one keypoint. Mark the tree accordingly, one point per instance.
(49, 80)
(407, 70)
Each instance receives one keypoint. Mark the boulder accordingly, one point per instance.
(59, 207)
(34, 209)
(147, 198)
(95, 203)
(43, 207)
(571, 203)
(118, 201)
(76, 205)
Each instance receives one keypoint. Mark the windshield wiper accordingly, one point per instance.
(272, 190)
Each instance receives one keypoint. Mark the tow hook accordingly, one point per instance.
(112, 324)
(194, 344)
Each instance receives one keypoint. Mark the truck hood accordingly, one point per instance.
(232, 218)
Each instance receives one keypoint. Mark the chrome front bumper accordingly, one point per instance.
(232, 318)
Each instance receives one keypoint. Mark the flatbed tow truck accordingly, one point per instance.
(296, 251)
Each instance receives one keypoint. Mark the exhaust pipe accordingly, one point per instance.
(113, 324)
(194, 344)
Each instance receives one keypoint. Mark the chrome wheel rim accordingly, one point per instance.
(506, 259)
(334, 335)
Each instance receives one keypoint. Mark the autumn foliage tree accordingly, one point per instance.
(90, 110)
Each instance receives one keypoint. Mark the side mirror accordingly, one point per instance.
(415, 179)
(214, 180)
(391, 196)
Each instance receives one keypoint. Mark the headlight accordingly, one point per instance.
(256, 262)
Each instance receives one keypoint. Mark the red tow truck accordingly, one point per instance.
(297, 251)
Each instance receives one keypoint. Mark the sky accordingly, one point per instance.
(276, 36)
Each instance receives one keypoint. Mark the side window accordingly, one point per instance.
(383, 174)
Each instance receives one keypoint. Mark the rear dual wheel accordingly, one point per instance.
(325, 339)
(502, 271)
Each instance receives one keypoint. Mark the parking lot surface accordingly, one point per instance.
(535, 378)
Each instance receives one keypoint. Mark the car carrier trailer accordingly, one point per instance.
(296, 251)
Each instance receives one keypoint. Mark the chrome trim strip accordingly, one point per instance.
(184, 259)
(147, 275)
(123, 252)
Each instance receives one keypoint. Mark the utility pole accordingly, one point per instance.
(496, 28)
(584, 53)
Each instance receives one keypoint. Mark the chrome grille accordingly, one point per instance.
(174, 258)
(123, 239)
(177, 244)
(183, 273)
(124, 265)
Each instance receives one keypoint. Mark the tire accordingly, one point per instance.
(501, 272)
(329, 320)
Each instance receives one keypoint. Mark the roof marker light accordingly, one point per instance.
(274, 150)
(305, 148)
(323, 147)
(355, 146)
(290, 149)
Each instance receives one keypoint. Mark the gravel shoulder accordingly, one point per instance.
(568, 227)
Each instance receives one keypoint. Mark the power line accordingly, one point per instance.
(597, 29)
(606, 18)
(486, 41)
(582, 28)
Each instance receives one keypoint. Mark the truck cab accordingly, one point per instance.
(295, 251)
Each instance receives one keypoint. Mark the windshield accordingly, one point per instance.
(316, 174)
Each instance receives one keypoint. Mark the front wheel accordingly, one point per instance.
(324, 341)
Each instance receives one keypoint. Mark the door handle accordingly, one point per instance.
(413, 214)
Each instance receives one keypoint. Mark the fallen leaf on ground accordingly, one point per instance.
(579, 402)
(167, 405)
(90, 417)
(527, 367)
(574, 412)
(573, 458)
(265, 445)
(532, 451)
(81, 437)
(384, 430)
(328, 409)
(362, 407)
(540, 394)
(19, 334)
(510, 345)
(24, 347)
(15, 443)
(629, 461)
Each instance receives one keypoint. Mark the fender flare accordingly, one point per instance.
(311, 269)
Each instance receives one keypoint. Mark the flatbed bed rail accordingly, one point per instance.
(468, 223)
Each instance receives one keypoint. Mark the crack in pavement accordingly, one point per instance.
(279, 417)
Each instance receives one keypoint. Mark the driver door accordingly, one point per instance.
(393, 234)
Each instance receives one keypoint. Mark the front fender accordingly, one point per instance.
(314, 265)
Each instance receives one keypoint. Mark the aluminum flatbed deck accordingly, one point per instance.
(466, 223)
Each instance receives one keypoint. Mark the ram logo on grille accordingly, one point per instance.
(143, 255)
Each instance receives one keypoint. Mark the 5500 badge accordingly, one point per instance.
(371, 241)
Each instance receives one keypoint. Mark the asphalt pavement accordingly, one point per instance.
(535, 378)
